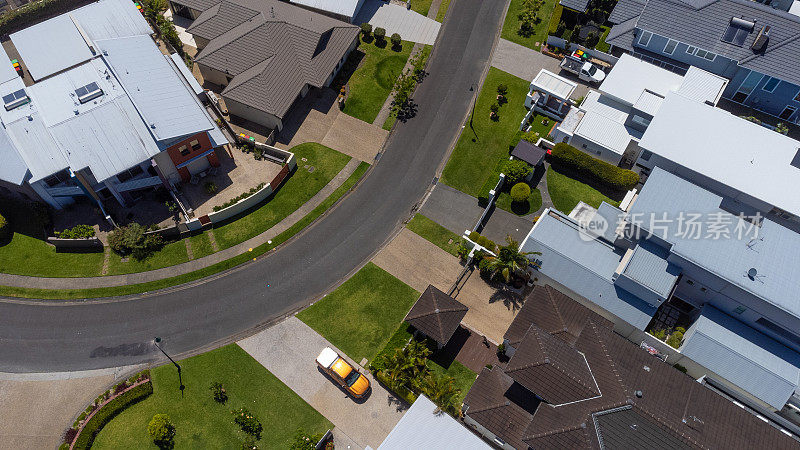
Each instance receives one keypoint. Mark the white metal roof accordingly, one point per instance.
(422, 426)
(51, 46)
(553, 84)
(630, 76)
(702, 86)
(756, 363)
(7, 71)
(36, 146)
(347, 8)
(167, 105)
(604, 131)
(187, 74)
(606, 106)
(107, 19)
(13, 168)
(733, 151)
(648, 102)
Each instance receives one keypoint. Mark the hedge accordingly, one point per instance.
(483, 241)
(555, 19)
(109, 411)
(34, 12)
(609, 175)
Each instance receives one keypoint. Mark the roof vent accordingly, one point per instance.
(638, 394)
(761, 39)
(88, 93)
(15, 99)
(752, 273)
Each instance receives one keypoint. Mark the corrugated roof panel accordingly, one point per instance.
(107, 19)
(13, 168)
(7, 71)
(650, 268)
(167, 105)
(36, 146)
(187, 74)
(606, 106)
(648, 102)
(347, 8)
(554, 84)
(743, 356)
(51, 46)
(631, 76)
(604, 131)
(702, 86)
(585, 266)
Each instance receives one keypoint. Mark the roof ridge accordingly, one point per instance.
(554, 432)
(487, 408)
(555, 308)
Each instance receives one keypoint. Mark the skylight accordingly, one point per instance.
(15, 99)
(737, 32)
(89, 92)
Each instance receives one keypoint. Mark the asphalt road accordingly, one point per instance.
(51, 336)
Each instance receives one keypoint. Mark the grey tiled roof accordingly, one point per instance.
(621, 35)
(271, 60)
(627, 428)
(626, 10)
(702, 23)
(199, 5)
(577, 5)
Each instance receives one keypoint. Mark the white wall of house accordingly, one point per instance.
(167, 167)
(213, 75)
(595, 150)
(254, 115)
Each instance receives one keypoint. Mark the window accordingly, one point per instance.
(705, 54)
(644, 39)
(690, 282)
(740, 309)
(747, 86)
(126, 175)
(691, 50)
(646, 154)
(184, 150)
(670, 47)
(57, 178)
(777, 329)
(195, 145)
(583, 146)
(787, 112)
(639, 120)
(771, 84)
(797, 97)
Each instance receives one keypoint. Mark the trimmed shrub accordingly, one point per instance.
(380, 34)
(240, 197)
(76, 232)
(396, 40)
(675, 338)
(161, 430)
(520, 192)
(613, 177)
(220, 395)
(132, 240)
(483, 241)
(5, 228)
(366, 29)
(502, 89)
(680, 368)
(555, 21)
(516, 170)
(248, 422)
(109, 411)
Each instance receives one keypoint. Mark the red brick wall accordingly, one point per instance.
(175, 154)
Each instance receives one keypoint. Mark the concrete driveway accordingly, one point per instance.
(452, 209)
(410, 25)
(289, 350)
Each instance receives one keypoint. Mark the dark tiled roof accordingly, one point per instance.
(626, 10)
(271, 49)
(625, 428)
(528, 152)
(673, 410)
(199, 5)
(702, 23)
(621, 35)
(436, 314)
(577, 5)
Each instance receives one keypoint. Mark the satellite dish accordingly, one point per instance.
(751, 273)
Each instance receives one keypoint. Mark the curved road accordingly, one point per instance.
(49, 336)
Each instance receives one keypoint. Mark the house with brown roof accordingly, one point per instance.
(572, 382)
(436, 315)
(267, 54)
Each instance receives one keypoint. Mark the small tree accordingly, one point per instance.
(304, 440)
(502, 89)
(516, 170)
(397, 42)
(520, 192)
(380, 34)
(132, 240)
(162, 431)
(366, 29)
(220, 395)
(248, 422)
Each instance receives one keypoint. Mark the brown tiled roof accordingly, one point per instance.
(551, 368)
(672, 411)
(436, 314)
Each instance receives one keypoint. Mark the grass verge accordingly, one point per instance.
(435, 233)
(540, 29)
(566, 192)
(72, 294)
(201, 422)
(442, 10)
(361, 314)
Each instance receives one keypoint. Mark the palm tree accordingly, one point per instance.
(443, 392)
(509, 261)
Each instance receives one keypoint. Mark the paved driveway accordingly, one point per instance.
(289, 350)
(410, 25)
(525, 63)
(452, 209)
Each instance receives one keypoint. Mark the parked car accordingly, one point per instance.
(585, 70)
(351, 379)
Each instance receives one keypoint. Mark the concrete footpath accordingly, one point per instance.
(191, 266)
(289, 350)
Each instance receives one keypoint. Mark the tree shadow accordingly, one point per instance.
(520, 208)
(381, 42)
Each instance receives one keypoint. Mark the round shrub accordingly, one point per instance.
(516, 170)
(161, 430)
(5, 228)
(132, 240)
(396, 40)
(520, 192)
(366, 29)
(380, 33)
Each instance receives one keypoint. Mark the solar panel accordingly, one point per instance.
(15, 99)
(88, 92)
(730, 33)
(741, 35)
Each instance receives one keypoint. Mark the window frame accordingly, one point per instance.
(769, 80)
(641, 36)
(691, 50)
(184, 150)
(670, 41)
(797, 97)
(789, 107)
(195, 145)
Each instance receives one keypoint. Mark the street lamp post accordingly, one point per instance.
(473, 88)
(180, 380)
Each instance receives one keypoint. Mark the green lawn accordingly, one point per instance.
(389, 122)
(201, 245)
(477, 154)
(296, 190)
(541, 125)
(199, 421)
(69, 294)
(602, 45)
(26, 255)
(442, 10)
(566, 192)
(511, 25)
(172, 253)
(372, 81)
(435, 233)
(361, 314)
(421, 6)
(521, 209)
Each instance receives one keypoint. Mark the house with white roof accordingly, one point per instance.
(611, 121)
(106, 114)
(728, 280)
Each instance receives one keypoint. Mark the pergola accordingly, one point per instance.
(551, 93)
(436, 315)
